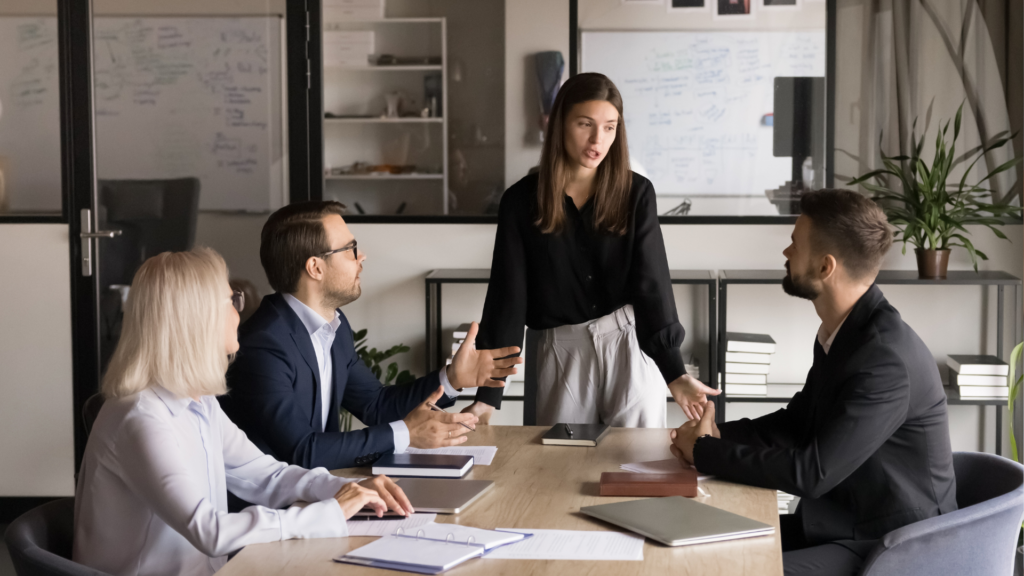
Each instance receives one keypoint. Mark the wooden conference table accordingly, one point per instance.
(539, 486)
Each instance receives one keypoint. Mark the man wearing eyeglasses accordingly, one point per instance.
(297, 362)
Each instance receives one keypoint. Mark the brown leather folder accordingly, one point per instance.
(632, 484)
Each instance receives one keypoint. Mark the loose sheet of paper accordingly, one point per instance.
(377, 527)
(660, 467)
(482, 455)
(571, 545)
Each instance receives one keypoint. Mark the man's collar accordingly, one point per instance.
(826, 339)
(309, 318)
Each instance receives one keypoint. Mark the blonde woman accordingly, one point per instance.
(152, 491)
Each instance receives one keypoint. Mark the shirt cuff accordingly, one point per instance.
(401, 436)
(449, 390)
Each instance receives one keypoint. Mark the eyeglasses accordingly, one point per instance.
(237, 300)
(353, 246)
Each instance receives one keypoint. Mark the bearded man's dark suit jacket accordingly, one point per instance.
(865, 444)
(274, 393)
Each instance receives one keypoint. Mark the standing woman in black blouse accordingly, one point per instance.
(579, 256)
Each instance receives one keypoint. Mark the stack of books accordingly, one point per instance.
(339, 10)
(748, 358)
(458, 337)
(785, 501)
(979, 376)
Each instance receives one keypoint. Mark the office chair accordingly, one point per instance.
(39, 541)
(978, 539)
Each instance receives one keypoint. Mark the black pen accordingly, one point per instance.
(436, 409)
(568, 430)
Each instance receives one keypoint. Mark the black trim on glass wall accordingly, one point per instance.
(74, 22)
(830, 93)
(305, 100)
(574, 30)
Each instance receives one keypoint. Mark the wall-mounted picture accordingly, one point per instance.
(780, 4)
(688, 5)
(734, 9)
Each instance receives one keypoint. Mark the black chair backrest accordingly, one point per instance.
(91, 410)
(980, 477)
(39, 541)
(154, 216)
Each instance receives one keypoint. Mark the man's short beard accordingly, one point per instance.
(337, 298)
(807, 291)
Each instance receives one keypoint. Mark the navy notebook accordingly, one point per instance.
(423, 465)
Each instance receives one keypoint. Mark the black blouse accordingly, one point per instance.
(549, 280)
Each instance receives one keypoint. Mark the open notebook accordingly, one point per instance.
(432, 550)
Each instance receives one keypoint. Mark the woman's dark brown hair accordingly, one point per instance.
(613, 180)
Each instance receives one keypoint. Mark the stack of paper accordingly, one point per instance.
(571, 545)
(372, 526)
(979, 376)
(748, 358)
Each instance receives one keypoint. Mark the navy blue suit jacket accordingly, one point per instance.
(274, 393)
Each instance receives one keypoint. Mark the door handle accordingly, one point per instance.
(101, 234)
(87, 235)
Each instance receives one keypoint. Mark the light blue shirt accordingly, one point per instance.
(322, 333)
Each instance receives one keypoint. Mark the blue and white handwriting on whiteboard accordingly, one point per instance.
(173, 97)
(693, 103)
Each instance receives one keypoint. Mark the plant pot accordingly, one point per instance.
(932, 264)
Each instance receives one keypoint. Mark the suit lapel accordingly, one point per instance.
(304, 344)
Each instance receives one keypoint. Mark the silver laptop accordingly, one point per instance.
(438, 495)
(678, 521)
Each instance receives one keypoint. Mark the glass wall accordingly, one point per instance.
(30, 166)
(724, 99)
(414, 106)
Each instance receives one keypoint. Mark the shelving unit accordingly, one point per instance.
(434, 333)
(355, 93)
(1001, 280)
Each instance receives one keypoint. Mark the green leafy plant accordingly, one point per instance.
(374, 360)
(930, 212)
(1016, 383)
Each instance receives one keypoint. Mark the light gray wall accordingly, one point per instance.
(36, 414)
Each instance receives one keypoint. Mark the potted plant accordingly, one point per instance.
(373, 360)
(927, 209)
(1016, 384)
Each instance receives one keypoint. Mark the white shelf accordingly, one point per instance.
(410, 120)
(384, 177)
(329, 23)
(413, 68)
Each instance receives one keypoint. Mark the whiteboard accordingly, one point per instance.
(174, 97)
(694, 103)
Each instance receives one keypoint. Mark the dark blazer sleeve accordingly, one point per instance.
(504, 317)
(658, 330)
(872, 404)
(779, 429)
(266, 399)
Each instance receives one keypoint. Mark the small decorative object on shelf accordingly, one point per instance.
(930, 211)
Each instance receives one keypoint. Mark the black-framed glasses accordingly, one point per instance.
(353, 246)
(237, 300)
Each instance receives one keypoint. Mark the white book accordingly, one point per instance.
(748, 358)
(975, 380)
(746, 379)
(977, 364)
(984, 392)
(741, 342)
(462, 332)
(736, 368)
(746, 389)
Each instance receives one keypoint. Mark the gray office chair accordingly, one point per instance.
(978, 539)
(39, 541)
